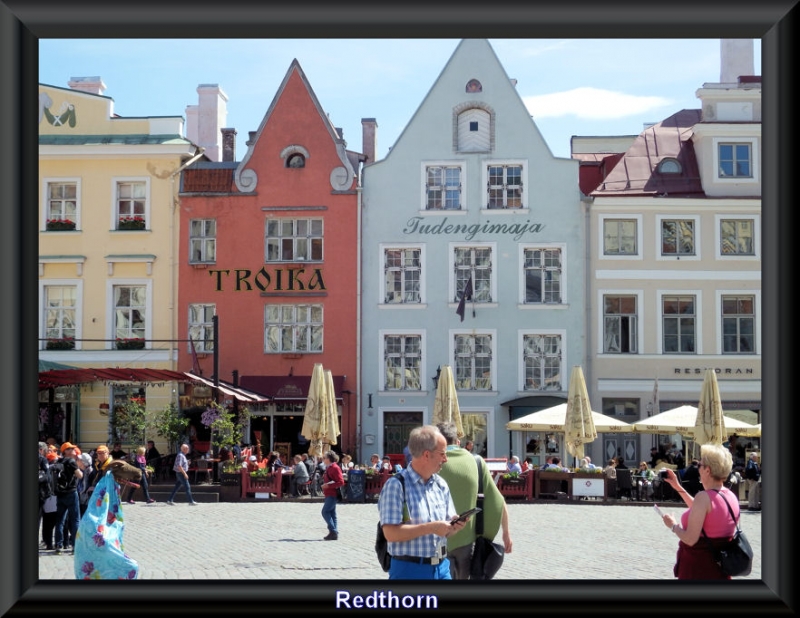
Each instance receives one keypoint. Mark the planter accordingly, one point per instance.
(135, 223)
(230, 487)
(60, 225)
(130, 344)
(60, 344)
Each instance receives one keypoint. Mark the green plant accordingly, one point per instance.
(64, 343)
(261, 473)
(170, 424)
(129, 421)
(226, 428)
(230, 467)
(511, 475)
(131, 223)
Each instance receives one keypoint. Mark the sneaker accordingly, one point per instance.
(150, 501)
(59, 551)
(170, 502)
(131, 502)
(193, 503)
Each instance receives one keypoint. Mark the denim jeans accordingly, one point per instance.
(329, 513)
(68, 513)
(181, 482)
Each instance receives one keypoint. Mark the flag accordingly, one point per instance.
(465, 296)
(195, 361)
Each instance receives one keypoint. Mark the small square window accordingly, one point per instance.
(473, 126)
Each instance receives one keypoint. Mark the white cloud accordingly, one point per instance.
(592, 103)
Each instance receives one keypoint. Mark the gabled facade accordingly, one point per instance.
(470, 195)
(269, 250)
(675, 259)
(107, 285)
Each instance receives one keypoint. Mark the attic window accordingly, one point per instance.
(296, 160)
(474, 85)
(669, 166)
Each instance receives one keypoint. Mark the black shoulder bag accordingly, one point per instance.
(487, 556)
(736, 557)
(381, 544)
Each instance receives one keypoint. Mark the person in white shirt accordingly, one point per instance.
(513, 465)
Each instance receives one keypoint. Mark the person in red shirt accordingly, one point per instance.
(332, 480)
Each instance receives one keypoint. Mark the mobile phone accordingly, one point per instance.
(466, 515)
(658, 510)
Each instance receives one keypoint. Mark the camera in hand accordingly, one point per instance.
(663, 474)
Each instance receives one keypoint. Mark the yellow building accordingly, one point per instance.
(108, 235)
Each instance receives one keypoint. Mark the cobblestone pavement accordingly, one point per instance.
(265, 540)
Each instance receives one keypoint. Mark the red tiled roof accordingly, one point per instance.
(208, 179)
(635, 173)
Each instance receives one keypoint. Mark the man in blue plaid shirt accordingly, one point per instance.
(417, 520)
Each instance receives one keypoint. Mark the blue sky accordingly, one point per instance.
(571, 86)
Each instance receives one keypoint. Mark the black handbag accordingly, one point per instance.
(487, 556)
(381, 544)
(735, 558)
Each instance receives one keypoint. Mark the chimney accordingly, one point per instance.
(204, 121)
(228, 144)
(92, 85)
(736, 58)
(251, 138)
(369, 138)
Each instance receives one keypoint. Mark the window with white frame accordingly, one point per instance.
(737, 237)
(402, 362)
(293, 328)
(738, 324)
(620, 324)
(541, 355)
(474, 263)
(294, 240)
(202, 241)
(62, 205)
(678, 237)
(402, 269)
(543, 272)
(473, 362)
(619, 237)
(443, 187)
(735, 160)
(60, 315)
(679, 320)
(131, 204)
(201, 326)
(504, 186)
(130, 311)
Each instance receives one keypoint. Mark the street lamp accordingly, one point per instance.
(436, 377)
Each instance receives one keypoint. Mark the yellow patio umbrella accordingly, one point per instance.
(579, 426)
(445, 404)
(316, 403)
(709, 425)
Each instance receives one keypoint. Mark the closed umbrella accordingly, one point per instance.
(709, 425)
(330, 423)
(445, 404)
(312, 419)
(578, 422)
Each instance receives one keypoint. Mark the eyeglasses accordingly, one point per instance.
(438, 452)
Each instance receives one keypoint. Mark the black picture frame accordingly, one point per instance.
(24, 22)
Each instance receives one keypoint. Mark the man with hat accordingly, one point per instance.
(67, 503)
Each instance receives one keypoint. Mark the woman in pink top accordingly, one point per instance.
(707, 514)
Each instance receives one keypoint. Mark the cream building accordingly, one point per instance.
(107, 251)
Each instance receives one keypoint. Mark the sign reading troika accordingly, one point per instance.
(276, 280)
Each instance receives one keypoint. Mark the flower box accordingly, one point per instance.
(131, 223)
(130, 344)
(59, 225)
(65, 343)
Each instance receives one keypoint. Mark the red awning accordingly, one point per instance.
(286, 388)
(68, 377)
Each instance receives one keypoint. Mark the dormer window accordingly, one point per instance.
(294, 156)
(296, 160)
(669, 166)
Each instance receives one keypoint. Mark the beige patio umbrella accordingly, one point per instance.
(578, 422)
(445, 404)
(554, 419)
(709, 424)
(316, 403)
(331, 413)
(683, 419)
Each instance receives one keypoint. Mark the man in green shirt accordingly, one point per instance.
(461, 473)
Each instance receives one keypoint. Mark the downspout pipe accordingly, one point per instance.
(359, 206)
